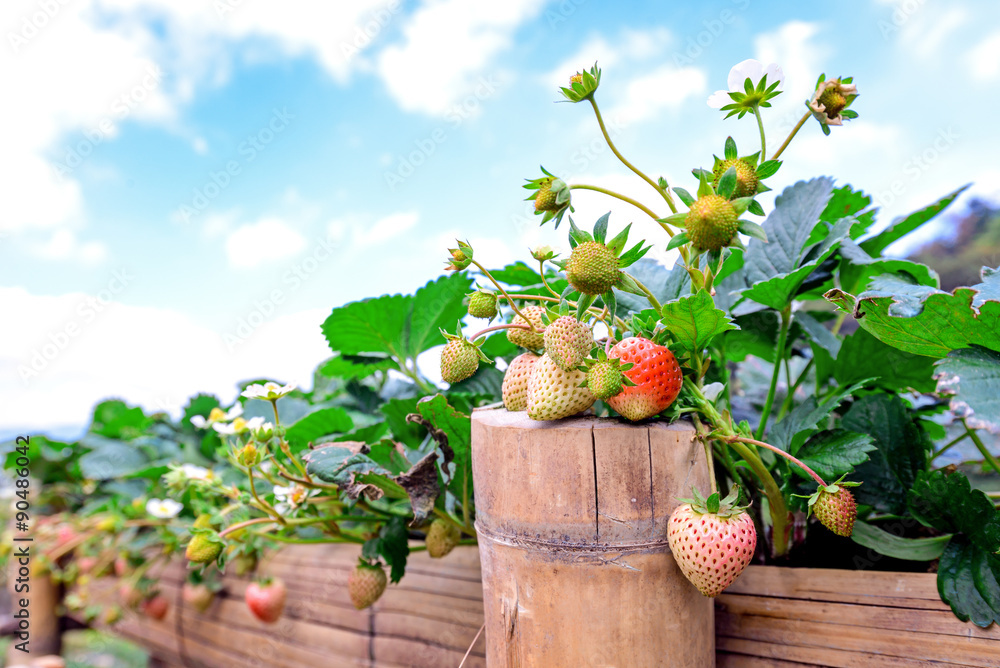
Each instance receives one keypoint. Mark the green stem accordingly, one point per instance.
(955, 441)
(779, 353)
(987, 455)
(496, 328)
(795, 130)
(611, 145)
(763, 141)
(541, 272)
(310, 541)
(624, 198)
(787, 405)
(504, 293)
(266, 507)
(653, 301)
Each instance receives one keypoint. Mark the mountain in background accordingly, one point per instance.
(972, 243)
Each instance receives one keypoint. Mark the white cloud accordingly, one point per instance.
(262, 242)
(63, 245)
(73, 350)
(984, 58)
(665, 88)
(629, 47)
(358, 232)
(448, 45)
(793, 46)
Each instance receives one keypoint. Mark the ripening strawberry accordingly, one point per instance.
(554, 393)
(711, 222)
(365, 584)
(442, 537)
(266, 600)
(459, 359)
(515, 381)
(198, 596)
(155, 607)
(568, 342)
(523, 337)
(835, 507)
(712, 541)
(593, 268)
(203, 549)
(656, 375)
(483, 304)
(545, 200)
(746, 177)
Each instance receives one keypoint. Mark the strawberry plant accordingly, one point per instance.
(829, 383)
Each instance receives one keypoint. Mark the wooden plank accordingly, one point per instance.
(897, 619)
(418, 627)
(727, 660)
(624, 483)
(815, 656)
(421, 655)
(977, 652)
(903, 590)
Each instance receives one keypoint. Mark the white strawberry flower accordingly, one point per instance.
(738, 99)
(290, 498)
(268, 391)
(217, 415)
(163, 508)
(193, 472)
(238, 426)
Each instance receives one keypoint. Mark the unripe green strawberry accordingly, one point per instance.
(515, 381)
(746, 177)
(459, 360)
(593, 268)
(836, 509)
(606, 378)
(711, 223)
(198, 596)
(365, 585)
(202, 549)
(545, 200)
(483, 304)
(524, 337)
(442, 537)
(203, 521)
(712, 541)
(568, 342)
(554, 393)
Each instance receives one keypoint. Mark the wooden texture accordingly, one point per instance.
(44, 632)
(821, 617)
(572, 520)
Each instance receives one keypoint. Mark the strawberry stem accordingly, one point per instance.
(541, 272)
(611, 193)
(779, 451)
(779, 353)
(496, 328)
(763, 141)
(531, 327)
(795, 130)
(653, 301)
(987, 455)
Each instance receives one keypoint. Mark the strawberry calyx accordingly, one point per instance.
(714, 505)
(551, 196)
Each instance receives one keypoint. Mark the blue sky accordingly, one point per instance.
(191, 186)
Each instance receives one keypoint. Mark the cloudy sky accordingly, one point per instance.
(189, 186)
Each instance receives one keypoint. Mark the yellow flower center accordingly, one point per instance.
(216, 415)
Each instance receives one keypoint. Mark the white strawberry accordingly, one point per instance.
(712, 541)
(515, 381)
(554, 393)
(568, 341)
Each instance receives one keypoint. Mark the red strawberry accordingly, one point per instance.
(267, 600)
(656, 375)
(366, 584)
(515, 381)
(835, 508)
(198, 596)
(155, 607)
(712, 541)
(86, 564)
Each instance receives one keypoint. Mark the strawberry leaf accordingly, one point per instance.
(903, 225)
(833, 453)
(972, 377)
(967, 581)
(694, 320)
(897, 370)
(857, 268)
(847, 202)
(315, 425)
(948, 503)
(456, 462)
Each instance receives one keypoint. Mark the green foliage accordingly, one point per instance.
(971, 378)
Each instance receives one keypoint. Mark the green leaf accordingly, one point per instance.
(349, 367)
(633, 255)
(967, 581)
(971, 376)
(684, 196)
(768, 168)
(727, 183)
(457, 427)
(677, 240)
(339, 465)
(617, 244)
(857, 268)
(601, 228)
(395, 411)
(819, 334)
(902, 451)
(849, 203)
(694, 321)
(312, 427)
(112, 459)
(757, 335)
(115, 419)
(891, 545)
(903, 225)
(922, 320)
(833, 453)
(792, 431)
(948, 503)
(398, 325)
(730, 149)
(752, 230)
(862, 356)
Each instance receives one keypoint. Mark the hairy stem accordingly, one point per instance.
(795, 130)
(763, 141)
(624, 198)
(779, 451)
